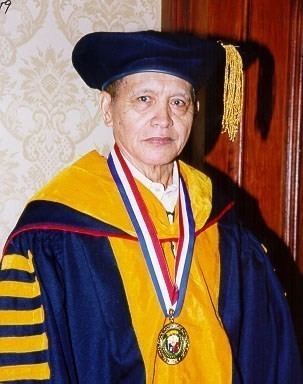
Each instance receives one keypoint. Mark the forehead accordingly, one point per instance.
(156, 81)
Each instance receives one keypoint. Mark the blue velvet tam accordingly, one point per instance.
(100, 58)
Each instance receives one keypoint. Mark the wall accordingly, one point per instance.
(263, 165)
(48, 117)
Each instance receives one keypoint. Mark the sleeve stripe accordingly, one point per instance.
(19, 289)
(23, 359)
(23, 339)
(35, 316)
(21, 263)
(23, 344)
(19, 303)
(25, 372)
(25, 330)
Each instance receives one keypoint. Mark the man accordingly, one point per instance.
(130, 269)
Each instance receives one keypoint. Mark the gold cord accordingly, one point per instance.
(233, 92)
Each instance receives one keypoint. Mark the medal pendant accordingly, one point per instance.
(173, 343)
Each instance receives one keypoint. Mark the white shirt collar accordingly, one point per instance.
(169, 196)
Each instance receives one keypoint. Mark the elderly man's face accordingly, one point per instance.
(151, 116)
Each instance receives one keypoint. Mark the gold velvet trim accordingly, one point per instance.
(23, 344)
(28, 317)
(18, 262)
(87, 186)
(19, 289)
(209, 359)
(25, 372)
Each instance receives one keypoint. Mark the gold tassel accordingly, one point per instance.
(233, 92)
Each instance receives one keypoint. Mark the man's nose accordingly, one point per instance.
(162, 116)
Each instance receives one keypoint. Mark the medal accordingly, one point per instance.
(173, 343)
(170, 291)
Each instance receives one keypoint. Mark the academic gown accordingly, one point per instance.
(66, 311)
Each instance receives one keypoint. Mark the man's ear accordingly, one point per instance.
(105, 105)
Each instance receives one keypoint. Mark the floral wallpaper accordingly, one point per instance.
(48, 117)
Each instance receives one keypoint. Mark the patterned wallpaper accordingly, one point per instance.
(48, 117)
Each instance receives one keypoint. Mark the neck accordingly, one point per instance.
(162, 174)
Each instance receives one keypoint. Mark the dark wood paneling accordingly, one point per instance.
(264, 161)
(227, 156)
(227, 18)
(264, 154)
(184, 15)
(294, 159)
(264, 167)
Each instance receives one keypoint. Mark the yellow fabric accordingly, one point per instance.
(18, 262)
(87, 186)
(22, 344)
(25, 372)
(19, 289)
(22, 317)
(81, 187)
(209, 357)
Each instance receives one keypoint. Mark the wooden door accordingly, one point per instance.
(264, 166)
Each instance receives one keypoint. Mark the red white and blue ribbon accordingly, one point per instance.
(170, 291)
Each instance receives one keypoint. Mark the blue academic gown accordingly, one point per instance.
(87, 311)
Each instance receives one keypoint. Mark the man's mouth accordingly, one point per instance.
(159, 140)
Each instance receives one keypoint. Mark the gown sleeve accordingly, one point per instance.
(34, 336)
(23, 332)
(255, 314)
(63, 312)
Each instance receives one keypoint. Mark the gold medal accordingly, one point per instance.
(173, 343)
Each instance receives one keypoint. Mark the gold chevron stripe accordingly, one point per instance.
(19, 289)
(28, 317)
(23, 344)
(25, 372)
(19, 262)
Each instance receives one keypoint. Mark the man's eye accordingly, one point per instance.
(178, 102)
(143, 99)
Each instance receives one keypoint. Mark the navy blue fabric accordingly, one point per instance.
(91, 338)
(41, 212)
(9, 303)
(16, 330)
(103, 57)
(23, 358)
(18, 276)
(254, 311)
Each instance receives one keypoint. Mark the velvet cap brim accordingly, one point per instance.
(100, 58)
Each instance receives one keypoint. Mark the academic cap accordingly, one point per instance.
(103, 57)
(100, 58)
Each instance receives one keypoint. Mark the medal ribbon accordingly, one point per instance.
(171, 293)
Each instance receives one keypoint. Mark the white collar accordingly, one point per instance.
(169, 196)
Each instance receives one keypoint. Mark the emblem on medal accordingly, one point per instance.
(173, 343)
